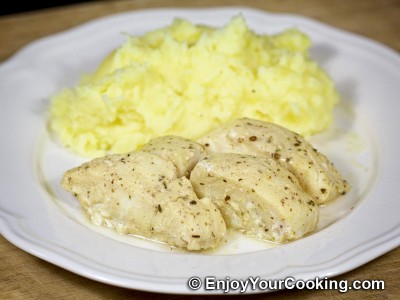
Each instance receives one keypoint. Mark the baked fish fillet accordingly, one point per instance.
(316, 174)
(140, 193)
(183, 153)
(256, 195)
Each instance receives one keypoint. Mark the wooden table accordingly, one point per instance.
(23, 276)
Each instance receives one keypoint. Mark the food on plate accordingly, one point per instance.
(141, 193)
(251, 176)
(171, 80)
(256, 195)
(316, 174)
(183, 153)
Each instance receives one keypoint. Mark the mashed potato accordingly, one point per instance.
(186, 80)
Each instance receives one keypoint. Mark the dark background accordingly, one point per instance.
(18, 6)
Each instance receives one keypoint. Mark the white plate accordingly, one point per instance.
(37, 216)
